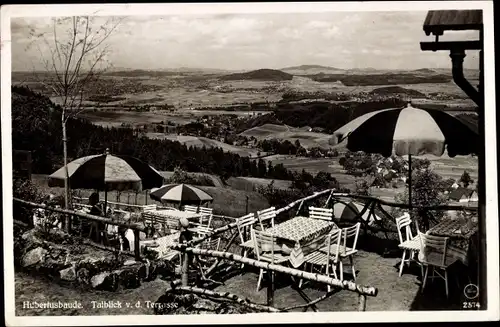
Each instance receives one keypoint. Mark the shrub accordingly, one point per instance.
(24, 189)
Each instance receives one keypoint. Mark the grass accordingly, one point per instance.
(251, 183)
(307, 139)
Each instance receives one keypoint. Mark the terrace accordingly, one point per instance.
(378, 284)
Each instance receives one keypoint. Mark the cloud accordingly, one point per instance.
(249, 41)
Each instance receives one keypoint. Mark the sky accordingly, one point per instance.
(380, 40)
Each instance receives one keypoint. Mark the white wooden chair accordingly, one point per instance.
(266, 216)
(209, 244)
(433, 254)
(149, 207)
(264, 245)
(348, 248)
(321, 213)
(202, 231)
(408, 242)
(328, 260)
(242, 224)
(206, 215)
(189, 208)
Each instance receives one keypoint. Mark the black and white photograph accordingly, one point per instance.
(279, 162)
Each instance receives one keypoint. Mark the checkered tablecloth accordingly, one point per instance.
(461, 238)
(303, 234)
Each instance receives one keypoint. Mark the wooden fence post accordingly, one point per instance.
(362, 302)
(300, 207)
(137, 246)
(270, 288)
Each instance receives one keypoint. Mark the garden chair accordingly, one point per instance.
(206, 215)
(321, 213)
(209, 244)
(327, 261)
(149, 207)
(266, 216)
(202, 231)
(243, 223)
(192, 209)
(408, 242)
(264, 246)
(433, 254)
(348, 248)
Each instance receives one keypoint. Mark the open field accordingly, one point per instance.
(251, 183)
(307, 139)
(199, 142)
(134, 118)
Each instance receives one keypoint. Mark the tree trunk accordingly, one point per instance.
(66, 179)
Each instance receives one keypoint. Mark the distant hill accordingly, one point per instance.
(395, 90)
(425, 70)
(306, 67)
(260, 75)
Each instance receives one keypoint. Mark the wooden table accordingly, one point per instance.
(300, 236)
(169, 219)
(461, 234)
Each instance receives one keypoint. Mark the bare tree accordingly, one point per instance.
(74, 59)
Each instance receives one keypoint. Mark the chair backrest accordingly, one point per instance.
(263, 242)
(321, 213)
(266, 215)
(206, 211)
(404, 222)
(188, 208)
(149, 207)
(351, 234)
(206, 215)
(202, 230)
(433, 249)
(245, 221)
(334, 238)
(211, 244)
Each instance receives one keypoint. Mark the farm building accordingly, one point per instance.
(463, 194)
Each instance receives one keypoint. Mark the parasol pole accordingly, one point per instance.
(105, 199)
(409, 180)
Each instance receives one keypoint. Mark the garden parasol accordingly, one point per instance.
(180, 193)
(409, 131)
(106, 172)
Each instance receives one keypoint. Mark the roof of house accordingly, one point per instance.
(458, 193)
(438, 21)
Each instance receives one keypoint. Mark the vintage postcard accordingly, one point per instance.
(275, 162)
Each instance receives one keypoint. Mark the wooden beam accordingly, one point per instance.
(343, 284)
(450, 45)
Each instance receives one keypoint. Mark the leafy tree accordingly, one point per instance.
(362, 187)
(74, 55)
(465, 179)
(427, 191)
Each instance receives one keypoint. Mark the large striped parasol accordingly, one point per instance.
(180, 193)
(106, 172)
(409, 131)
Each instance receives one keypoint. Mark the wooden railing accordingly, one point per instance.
(137, 228)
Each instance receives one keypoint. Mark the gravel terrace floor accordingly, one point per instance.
(395, 293)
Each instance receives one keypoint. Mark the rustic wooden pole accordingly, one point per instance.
(185, 269)
(270, 288)
(362, 302)
(225, 295)
(343, 284)
(300, 207)
(328, 200)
